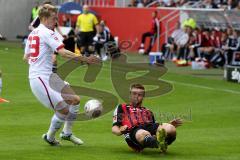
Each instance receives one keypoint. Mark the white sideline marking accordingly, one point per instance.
(204, 87)
(188, 84)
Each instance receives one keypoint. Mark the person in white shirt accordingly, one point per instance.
(47, 87)
(176, 41)
(182, 43)
(36, 22)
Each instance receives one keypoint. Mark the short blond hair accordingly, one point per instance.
(46, 10)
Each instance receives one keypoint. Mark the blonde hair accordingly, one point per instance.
(46, 10)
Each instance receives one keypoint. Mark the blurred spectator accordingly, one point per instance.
(161, 3)
(182, 44)
(66, 21)
(207, 46)
(232, 44)
(36, 21)
(103, 23)
(146, 2)
(229, 31)
(133, 3)
(230, 5)
(211, 46)
(238, 6)
(217, 47)
(195, 42)
(209, 4)
(140, 3)
(105, 44)
(180, 3)
(100, 39)
(152, 34)
(177, 45)
(218, 57)
(169, 49)
(169, 3)
(34, 12)
(224, 37)
(216, 37)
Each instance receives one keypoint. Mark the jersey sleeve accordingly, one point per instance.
(53, 41)
(27, 49)
(117, 116)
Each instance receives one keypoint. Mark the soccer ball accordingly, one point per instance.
(93, 108)
(141, 51)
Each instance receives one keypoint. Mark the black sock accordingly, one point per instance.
(150, 142)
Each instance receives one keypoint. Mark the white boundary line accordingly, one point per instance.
(204, 87)
(191, 85)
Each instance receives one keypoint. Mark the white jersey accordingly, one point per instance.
(41, 44)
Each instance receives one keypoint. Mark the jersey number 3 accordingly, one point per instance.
(34, 46)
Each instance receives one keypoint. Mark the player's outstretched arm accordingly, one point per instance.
(176, 122)
(116, 130)
(119, 130)
(70, 55)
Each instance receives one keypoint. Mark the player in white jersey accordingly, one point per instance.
(36, 22)
(48, 88)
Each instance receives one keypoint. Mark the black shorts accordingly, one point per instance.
(130, 137)
(85, 38)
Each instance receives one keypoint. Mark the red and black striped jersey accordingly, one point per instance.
(126, 114)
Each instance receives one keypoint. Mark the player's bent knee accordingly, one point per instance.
(62, 107)
(76, 100)
(171, 132)
(140, 134)
(169, 128)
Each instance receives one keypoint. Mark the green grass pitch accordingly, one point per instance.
(212, 133)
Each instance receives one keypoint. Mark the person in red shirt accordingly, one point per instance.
(152, 34)
(138, 124)
(216, 38)
(207, 46)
